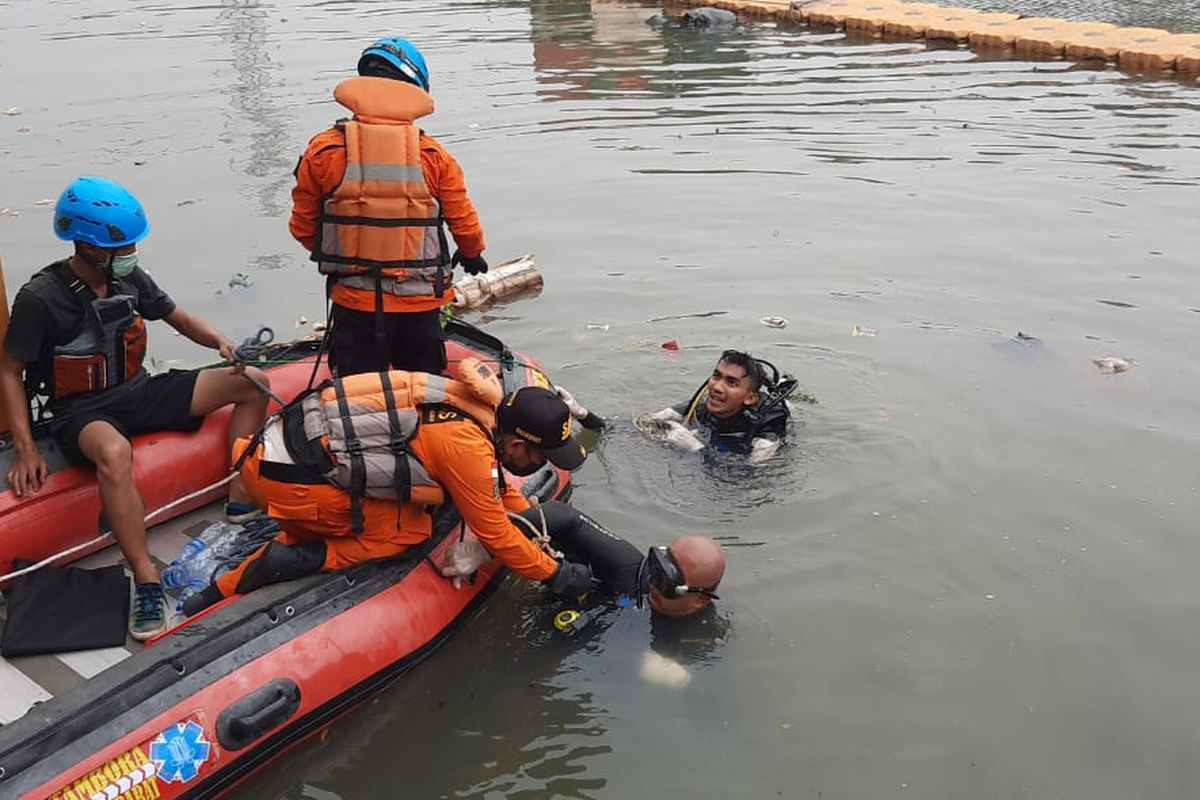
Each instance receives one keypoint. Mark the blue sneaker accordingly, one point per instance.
(148, 617)
(237, 513)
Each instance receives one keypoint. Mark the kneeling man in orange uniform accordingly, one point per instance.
(351, 473)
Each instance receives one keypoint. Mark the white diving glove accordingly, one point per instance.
(668, 414)
(577, 411)
(762, 449)
(681, 438)
(463, 559)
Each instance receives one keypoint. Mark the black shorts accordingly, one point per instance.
(411, 341)
(146, 405)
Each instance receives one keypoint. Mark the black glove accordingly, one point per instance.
(570, 579)
(474, 265)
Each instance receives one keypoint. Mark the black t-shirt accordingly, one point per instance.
(46, 314)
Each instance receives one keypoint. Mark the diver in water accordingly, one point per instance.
(677, 580)
(741, 408)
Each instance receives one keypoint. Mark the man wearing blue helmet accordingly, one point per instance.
(77, 332)
(372, 194)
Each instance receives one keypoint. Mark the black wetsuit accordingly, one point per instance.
(735, 435)
(616, 563)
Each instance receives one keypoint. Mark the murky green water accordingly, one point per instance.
(970, 575)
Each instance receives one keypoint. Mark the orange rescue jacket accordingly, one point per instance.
(363, 208)
(328, 464)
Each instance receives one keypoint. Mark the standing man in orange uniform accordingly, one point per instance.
(371, 196)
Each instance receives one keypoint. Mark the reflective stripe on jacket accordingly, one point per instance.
(380, 228)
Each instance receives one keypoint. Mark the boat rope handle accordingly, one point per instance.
(107, 534)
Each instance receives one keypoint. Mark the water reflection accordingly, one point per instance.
(595, 48)
(242, 24)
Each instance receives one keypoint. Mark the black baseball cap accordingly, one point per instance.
(541, 418)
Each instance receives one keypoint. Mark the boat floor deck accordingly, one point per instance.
(28, 680)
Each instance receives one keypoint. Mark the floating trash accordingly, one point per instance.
(670, 345)
(595, 327)
(45, 201)
(663, 671)
(774, 322)
(9, 212)
(1111, 365)
(13, 112)
(319, 327)
(241, 279)
(858, 330)
(301, 321)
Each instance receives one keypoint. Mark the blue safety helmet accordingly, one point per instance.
(99, 212)
(401, 54)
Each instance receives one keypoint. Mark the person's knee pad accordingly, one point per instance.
(281, 562)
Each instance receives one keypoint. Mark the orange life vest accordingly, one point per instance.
(381, 229)
(108, 350)
(353, 433)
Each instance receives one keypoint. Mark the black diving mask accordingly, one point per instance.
(664, 574)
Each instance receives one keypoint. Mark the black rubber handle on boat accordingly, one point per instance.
(253, 715)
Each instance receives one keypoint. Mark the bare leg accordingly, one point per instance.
(220, 387)
(112, 454)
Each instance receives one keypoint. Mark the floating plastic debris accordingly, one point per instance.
(1111, 365)
(45, 201)
(319, 327)
(670, 345)
(596, 327)
(858, 330)
(301, 321)
(774, 322)
(240, 279)
(9, 212)
(663, 671)
(13, 112)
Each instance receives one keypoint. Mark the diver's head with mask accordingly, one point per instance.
(534, 426)
(682, 578)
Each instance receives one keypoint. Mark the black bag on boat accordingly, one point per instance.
(59, 609)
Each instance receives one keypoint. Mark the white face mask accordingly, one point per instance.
(123, 265)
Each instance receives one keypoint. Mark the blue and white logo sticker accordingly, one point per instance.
(179, 751)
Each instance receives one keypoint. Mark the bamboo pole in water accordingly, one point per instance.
(3, 330)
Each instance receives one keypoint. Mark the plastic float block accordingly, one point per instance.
(870, 18)
(916, 18)
(1189, 57)
(958, 23)
(1105, 45)
(1003, 35)
(1150, 54)
(1051, 40)
(827, 13)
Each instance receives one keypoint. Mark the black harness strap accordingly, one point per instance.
(402, 473)
(358, 465)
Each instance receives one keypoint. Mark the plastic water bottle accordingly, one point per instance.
(199, 557)
(193, 586)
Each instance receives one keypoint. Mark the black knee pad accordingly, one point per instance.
(281, 562)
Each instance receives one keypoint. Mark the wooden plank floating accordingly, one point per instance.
(1133, 49)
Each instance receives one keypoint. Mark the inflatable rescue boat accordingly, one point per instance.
(219, 695)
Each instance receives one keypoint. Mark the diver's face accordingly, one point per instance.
(729, 391)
